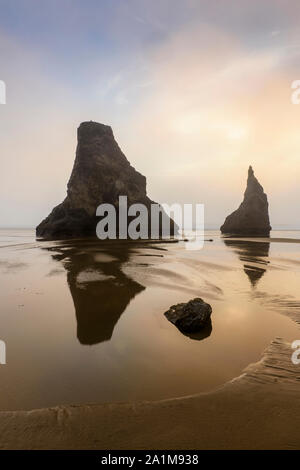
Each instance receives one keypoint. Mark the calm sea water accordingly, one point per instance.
(83, 321)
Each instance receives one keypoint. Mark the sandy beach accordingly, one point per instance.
(149, 230)
(242, 414)
(229, 390)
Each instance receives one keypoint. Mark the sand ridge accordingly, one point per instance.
(242, 414)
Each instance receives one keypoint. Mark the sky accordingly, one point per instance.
(195, 92)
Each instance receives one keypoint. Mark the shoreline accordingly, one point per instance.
(264, 397)
(263, 239)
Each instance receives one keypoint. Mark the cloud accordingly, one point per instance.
(216, 108)
(194, 96)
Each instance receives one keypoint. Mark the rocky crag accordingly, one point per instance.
(101, 174)
(252, 217)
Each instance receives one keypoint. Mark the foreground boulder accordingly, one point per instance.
(252, 217)
(101, 174)
(190, 317)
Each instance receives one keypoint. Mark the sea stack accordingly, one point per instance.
(101, 173)
(252, 217)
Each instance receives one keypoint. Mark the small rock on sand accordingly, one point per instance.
(190, 317)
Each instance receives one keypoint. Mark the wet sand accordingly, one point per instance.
(258, 410)
(253, 289)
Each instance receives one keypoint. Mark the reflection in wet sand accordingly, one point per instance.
(100, 290)
(251, 254)
(139, 355)
(204, 333)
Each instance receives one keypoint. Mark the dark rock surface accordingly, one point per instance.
(101, 174)
(252, 217)
(190, 317)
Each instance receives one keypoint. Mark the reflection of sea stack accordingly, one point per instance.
(252, 217)
(254, 255)
(101, 174)
(101, 291)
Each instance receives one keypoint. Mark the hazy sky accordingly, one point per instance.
(194, 90)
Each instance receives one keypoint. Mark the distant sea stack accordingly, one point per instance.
(101, 174)
(252, 217)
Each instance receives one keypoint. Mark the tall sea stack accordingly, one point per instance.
(101, 174)
(252, 217)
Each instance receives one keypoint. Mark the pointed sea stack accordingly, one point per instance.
(252, 217)
(101, 173)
